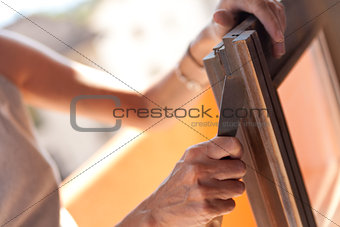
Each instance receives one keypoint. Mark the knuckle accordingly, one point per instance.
(202, 192)
(193, 152)
(196, 171)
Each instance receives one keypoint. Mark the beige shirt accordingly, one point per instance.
(28, 184)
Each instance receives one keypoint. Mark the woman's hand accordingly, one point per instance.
(200, 187)
(271, 13)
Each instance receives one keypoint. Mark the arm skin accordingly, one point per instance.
(201, 186)
(49, 80)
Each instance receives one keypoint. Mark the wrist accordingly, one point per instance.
(205, 41)
(139, 217)
(191, 65)
(191, 69)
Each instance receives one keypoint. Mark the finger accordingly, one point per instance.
(227, 189)
(276, 11)
(220, 147)
(228, 169)
(278, 47)
(282, 15)
(221, 169)
(224, 21)
(261, 10)
(219, 207)
(216, 148)
(224, 18)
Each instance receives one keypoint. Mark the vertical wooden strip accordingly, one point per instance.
(286, 147)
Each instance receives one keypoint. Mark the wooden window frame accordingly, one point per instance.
(275, 186)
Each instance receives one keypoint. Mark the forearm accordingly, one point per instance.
(49, 80)
(141, 216)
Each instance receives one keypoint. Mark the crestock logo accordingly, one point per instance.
(73, 114)
(202, 112)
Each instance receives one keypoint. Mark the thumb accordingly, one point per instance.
(224, 21)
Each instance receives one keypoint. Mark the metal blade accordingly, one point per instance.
(233, 97)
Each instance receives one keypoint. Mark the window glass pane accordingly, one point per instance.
(310, 104)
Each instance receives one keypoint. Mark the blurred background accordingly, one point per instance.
(137, 41)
